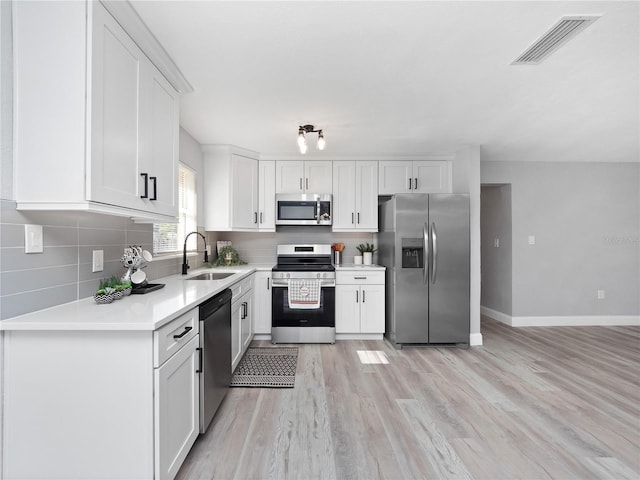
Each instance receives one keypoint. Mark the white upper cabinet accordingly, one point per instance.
(267, 196)
(230, 180)
(105, 119)
(414, 177)
(303, 177)
(355, 196)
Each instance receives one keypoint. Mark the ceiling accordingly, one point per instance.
(397, 79)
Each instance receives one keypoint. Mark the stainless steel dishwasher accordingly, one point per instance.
(215, 354)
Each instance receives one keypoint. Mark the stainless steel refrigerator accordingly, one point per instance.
(423, 241)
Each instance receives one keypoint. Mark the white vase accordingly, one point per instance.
(357, 260)
(367, 257)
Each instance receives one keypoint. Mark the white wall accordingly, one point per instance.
(585, 218)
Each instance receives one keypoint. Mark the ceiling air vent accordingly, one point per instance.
(557, 36)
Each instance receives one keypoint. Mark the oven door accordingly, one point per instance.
(283, 316)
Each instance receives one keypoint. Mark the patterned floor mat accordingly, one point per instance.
(273, 367)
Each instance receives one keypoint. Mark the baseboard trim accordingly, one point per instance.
(475, 339)
(562, 320)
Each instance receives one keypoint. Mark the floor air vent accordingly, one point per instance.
(557, 36)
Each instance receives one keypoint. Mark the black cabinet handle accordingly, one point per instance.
(155, 188)
(261, 218)
(352, 218)
(356, 296)
(415, 183)
(268, 283)
(358, 218)
(363, 296)
(146, 185)
(186, 330)
(409, 183)
(255, 217)
(199, 370)
(244, 310)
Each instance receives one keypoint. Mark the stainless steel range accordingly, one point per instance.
(303, 295)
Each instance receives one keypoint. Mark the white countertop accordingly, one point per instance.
(134, 312)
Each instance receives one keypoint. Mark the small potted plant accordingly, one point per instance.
(366, 250)
(105, 293)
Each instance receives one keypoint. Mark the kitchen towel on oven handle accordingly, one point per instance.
(304, 294)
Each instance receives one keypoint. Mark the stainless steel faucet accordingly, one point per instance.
(185, 263)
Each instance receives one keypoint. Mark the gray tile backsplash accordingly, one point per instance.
(261, 247)
(62, 273)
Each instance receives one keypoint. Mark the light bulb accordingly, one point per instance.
(303, 148)
(301, 140)
(321, 142)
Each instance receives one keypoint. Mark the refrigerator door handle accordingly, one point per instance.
(434, 262)
(425, 254)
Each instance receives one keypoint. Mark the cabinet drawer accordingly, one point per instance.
(240, 288)
(363, 277)
(167, 340)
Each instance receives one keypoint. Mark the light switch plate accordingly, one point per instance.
(33, 239)
(98, 260)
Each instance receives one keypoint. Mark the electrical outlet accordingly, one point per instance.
(33, 239)
(496, 242)
(98, 260)
(600, 294)
(532, 239)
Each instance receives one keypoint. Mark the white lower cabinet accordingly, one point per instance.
(177, 420)
(100, 404)
(262, 310)
(360, 302)
(241, 319)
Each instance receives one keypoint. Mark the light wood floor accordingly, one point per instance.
(532, 403)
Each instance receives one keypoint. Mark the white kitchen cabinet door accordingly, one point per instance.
(177, 414)
(262, 310)
(236, 322)
(244, 200)
(289, 177)
(347, 308)
(372, 309)
(366, 195)
(432, 177)
(246, 321)
(394, 177)
(117, 69)
(318, 177)
(159, 157)
(267, 196)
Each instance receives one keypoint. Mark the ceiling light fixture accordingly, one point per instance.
(302, 137)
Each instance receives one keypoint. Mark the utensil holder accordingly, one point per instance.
(337, 257)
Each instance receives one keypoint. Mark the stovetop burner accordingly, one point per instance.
(304, 258)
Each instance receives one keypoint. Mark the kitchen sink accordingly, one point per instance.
(211, 276)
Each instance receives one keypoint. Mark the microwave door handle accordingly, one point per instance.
(318, 211)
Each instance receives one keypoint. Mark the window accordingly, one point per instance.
(169, 237)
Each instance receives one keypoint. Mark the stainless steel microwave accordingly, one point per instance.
(303, 209)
